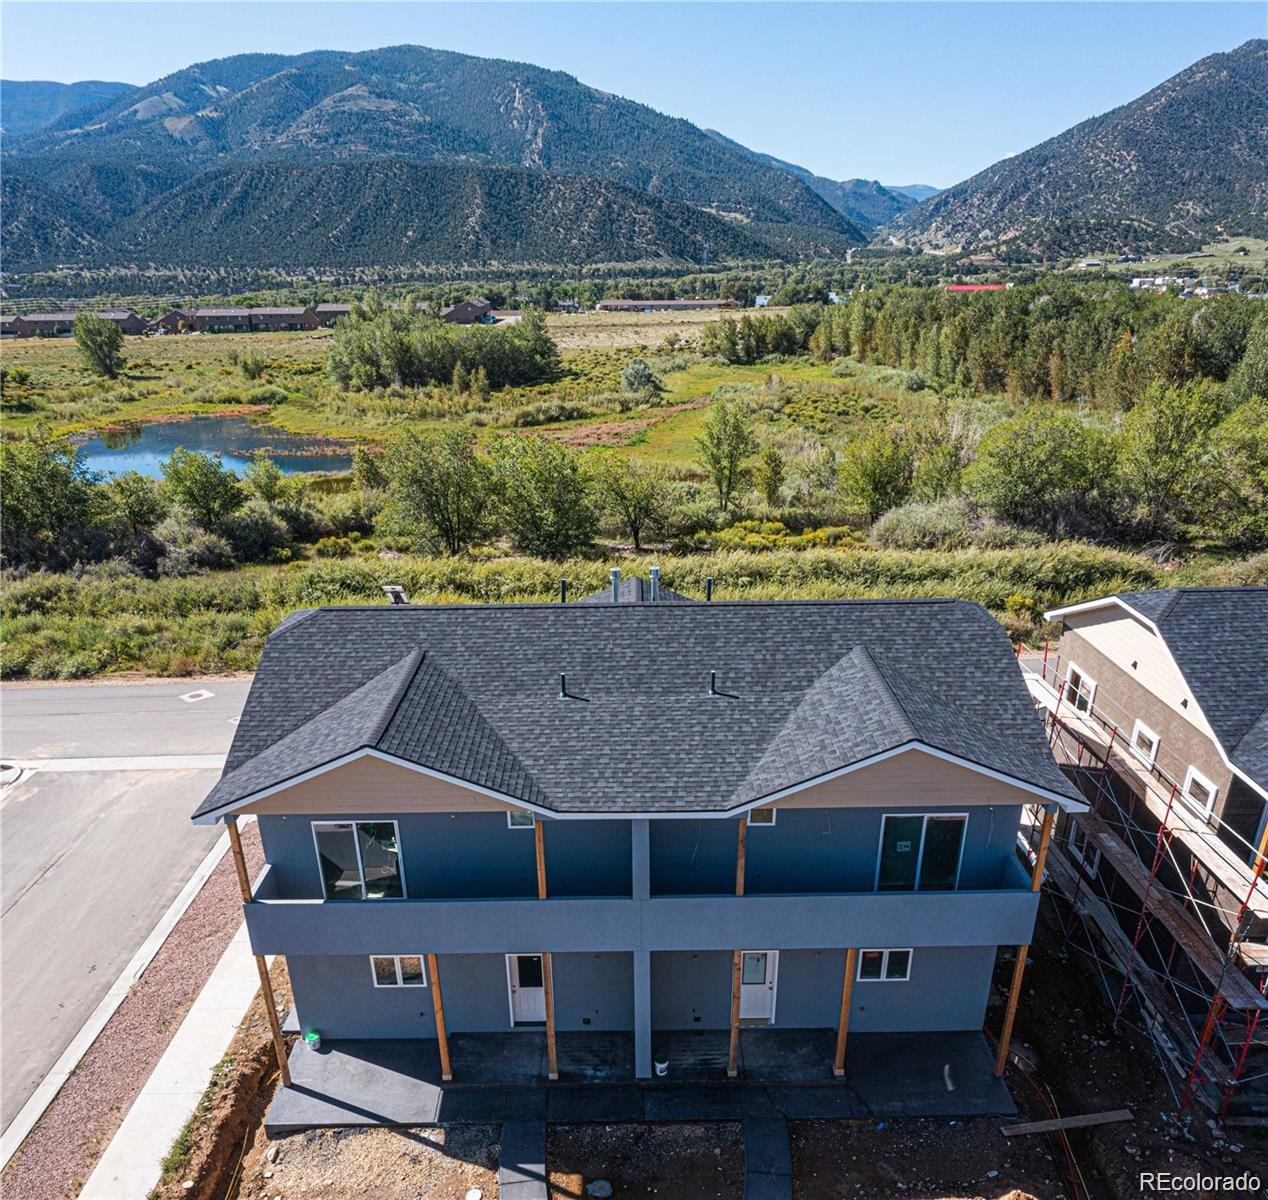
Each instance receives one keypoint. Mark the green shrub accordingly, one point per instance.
(333, 547)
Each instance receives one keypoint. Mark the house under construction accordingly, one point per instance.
(1157, 708)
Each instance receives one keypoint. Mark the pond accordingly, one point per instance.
(144, 448)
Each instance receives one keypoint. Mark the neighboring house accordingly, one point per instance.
(640, 815)
(129, 321)
(219, 320)
(54, 324)
(15, 327)
(976, 287)
(328, 314)
(277, 320)
(1158, 703)
(178, 320)
(468, 312)
(761, 301)
(650, 306)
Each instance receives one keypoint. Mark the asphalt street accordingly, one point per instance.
(90, 860)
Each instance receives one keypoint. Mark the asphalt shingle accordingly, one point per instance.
(473, 692)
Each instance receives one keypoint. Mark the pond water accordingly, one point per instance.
(144, 448)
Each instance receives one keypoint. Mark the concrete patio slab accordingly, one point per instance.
(767, 1159)
(356, 1083)
(522, 1161)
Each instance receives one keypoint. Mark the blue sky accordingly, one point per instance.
(904, 93)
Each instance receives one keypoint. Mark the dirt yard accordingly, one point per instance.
(703, 1162)
(375, 1164)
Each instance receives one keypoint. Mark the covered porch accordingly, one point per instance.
(502, 1077)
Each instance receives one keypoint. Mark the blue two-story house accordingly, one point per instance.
(640, 816)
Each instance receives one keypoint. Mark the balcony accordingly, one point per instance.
(996, 916)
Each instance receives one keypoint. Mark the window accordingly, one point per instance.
(1080, 688)
(398, 970)
(1200, 792)
(518, 818)
(893, 966)
(359, 860)
(761, 816)
(920, 852)
(1144, 743)
(1081, 850)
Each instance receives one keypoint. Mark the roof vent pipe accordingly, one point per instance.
(615, 575)
(708, 588)
(713, 683)
(654, 574)
(563, 591)
(395, 593)
(563, 686)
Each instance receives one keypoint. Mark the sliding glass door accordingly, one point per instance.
(920, 852)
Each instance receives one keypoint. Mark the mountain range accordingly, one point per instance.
(1181, 165)
(410, 156)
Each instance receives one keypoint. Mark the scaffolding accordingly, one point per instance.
(1168, 905)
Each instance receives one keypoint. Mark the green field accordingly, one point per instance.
(1213, 259)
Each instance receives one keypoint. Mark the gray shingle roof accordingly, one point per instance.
(1219, 639)
(472, 692)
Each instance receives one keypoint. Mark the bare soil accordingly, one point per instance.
(375, 1164)
(703, 1162)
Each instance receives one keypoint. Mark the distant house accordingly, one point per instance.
(175, 321)
(278, 320)
(976, 287)
(129, 321)
(837, 298)
(1091, 264)
(219, 320)
(650, 306)
(55, 324)
(761, 301)
(328, 314)
(15, 327)
(468, 312)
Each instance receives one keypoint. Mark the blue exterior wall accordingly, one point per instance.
(467, 855)
(336, 995)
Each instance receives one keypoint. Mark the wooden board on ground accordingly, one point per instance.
(1057, 1123)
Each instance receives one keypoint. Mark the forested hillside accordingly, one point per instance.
(1185, 162)
(362, 214)
(29, 106)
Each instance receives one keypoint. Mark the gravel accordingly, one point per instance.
(58, 1155)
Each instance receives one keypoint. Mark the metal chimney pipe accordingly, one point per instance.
(563, 686)
(708, 588)
(615, 575)
(563, 591)
(713, 683)
(654, 574)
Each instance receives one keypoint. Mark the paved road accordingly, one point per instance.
(98, 720)
(90, 860)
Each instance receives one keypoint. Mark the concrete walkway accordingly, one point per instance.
(386, 1082)
(522, 1161)
(767, 1159)
(131, 1164)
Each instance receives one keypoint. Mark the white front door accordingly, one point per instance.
(528, 991)
(758, 969)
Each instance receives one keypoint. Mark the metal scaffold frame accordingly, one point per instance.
(1181, 953)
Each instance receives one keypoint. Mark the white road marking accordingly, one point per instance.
(155, 762)
(194, 697)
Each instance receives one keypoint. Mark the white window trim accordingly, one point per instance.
(885, 952)
(515, 812)
(400, 978)
(1090, 859)
(356, 844)
(1087, 681)
(761, 824)
(1205, 809)
(920, 856)
(1138, 728)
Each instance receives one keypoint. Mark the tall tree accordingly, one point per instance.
(440, 484)
(724, 447)
(876, 470)
(208, 492)
(634, 493)
(101, 344)
(545, 499)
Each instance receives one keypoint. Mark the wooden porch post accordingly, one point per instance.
(442, 1035)
(737, 956)
(1019, 967)
(266, 985)
(843, 1023)
(548, 982)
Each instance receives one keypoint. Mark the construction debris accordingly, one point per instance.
(1080, 1122)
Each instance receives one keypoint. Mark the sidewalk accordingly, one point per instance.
(132, 1161)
